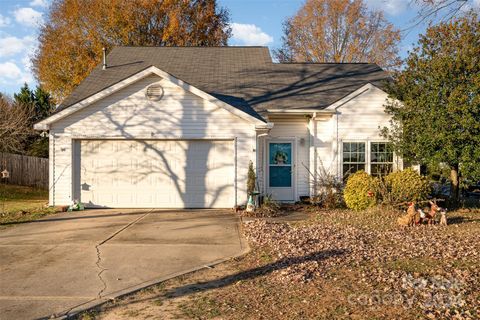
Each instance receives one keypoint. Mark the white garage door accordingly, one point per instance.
(155, 174)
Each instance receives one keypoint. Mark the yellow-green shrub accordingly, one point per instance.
(361, 191)
(407, 185)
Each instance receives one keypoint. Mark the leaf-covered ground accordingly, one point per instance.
(332, 265)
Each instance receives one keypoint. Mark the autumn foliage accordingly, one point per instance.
(339, 31)
(75, 31)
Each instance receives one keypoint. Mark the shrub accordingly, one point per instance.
(251, 179)
(407, 185)
(328, 188)
(269, 204)
(268, 208)
(361, 191)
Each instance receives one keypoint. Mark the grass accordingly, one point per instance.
(420, 265)
(21, 204)
(202, 307)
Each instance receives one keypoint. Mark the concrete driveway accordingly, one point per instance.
(73, 260)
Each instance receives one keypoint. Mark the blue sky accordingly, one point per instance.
(254, 22)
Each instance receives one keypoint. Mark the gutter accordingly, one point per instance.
(265, 126)
(301, 111)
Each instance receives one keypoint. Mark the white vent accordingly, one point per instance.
(155, 92)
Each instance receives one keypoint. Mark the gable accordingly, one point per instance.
(244, 113)
(216, 70)
(363, 115)
(130, 114)
(369, 99)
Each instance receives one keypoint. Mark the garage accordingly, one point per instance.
(155, 173)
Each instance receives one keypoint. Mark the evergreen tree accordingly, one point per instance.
(438, 119)
(40, 105)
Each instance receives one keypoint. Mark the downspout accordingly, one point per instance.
(256, 159)
(337, 142)
(257, 141)
(53, 169)
(313, 150)
(266, 127)
(236, 174)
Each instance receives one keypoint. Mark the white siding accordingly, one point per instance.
(128, 114)
(295, 128)
(358, 119)
(324, 133)
(362, 117)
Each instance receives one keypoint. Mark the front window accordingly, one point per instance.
(381, 158)
(353, 158)
(375, 158)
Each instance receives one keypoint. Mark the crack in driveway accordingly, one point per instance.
(107, 247)
(99, 275)
(99, 260)
(99, 255)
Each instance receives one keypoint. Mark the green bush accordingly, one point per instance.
(361, 191)
(407, 185)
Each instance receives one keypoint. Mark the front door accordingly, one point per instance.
(280, 170)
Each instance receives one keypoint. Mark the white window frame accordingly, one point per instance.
(370, 155)
(368, 148)
(341, 155)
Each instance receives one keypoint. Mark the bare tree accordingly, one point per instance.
(442, 9)
(15, 125)
(339, 31)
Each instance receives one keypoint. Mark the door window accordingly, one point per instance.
(280, 164)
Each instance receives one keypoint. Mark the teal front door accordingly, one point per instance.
(280, 170)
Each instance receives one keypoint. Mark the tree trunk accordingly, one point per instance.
(455, 184)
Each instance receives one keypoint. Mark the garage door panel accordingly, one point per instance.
(156, 173)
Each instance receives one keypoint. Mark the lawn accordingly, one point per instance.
(21, 204)
(334, 264)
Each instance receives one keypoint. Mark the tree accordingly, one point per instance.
(39, 105)
(14, 126)
(443, 9)
(75, 31)
(339, 31)
(39, 101)
(25, 96)
(438, 119)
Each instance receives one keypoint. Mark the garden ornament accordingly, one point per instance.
(250, 204)
(434, 208)
(412, 217)
(5, 174)
(443, 217)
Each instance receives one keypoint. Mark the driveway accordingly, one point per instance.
(73, 260)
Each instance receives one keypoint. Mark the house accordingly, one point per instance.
(176, 127)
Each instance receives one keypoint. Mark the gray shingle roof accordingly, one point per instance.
(244, 77)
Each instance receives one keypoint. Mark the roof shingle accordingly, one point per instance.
(244, 77)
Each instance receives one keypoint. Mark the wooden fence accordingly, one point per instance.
(25, 170)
